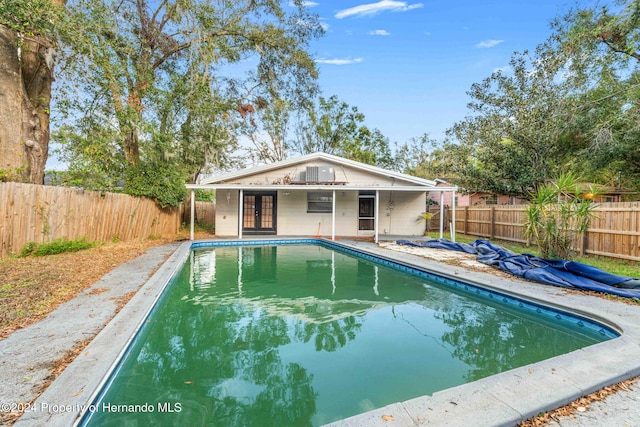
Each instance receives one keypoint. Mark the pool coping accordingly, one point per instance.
(503, 399)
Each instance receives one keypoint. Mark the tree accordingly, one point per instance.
(28, 45)
(152, 78)
(513, 142)
(334, 127)
(602, 45)
(268, 130)
(422, 157)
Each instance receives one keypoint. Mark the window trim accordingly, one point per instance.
(319, 202)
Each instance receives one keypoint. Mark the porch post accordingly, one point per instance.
(333, 216)
(193, 212)
(375, 216)
(240, 212)
(441, 213)
(453, 215)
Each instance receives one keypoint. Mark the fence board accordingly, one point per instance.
(205, 213)
(613, 232)
(38, 213)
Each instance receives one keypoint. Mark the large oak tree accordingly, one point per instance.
(154, 87)
(27, 56)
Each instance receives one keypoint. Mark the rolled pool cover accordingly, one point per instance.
(567, 274)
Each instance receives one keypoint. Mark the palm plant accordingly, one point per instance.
(558, 215)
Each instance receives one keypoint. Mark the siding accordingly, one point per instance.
(397, 218)
(352, 176)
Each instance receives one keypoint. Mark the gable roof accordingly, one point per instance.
(319, 156)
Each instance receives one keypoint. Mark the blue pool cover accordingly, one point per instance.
(567, 274)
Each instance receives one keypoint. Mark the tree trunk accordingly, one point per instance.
(12, 154)
(26, 74)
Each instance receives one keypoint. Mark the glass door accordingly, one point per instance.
(259, 213)
(366, 210)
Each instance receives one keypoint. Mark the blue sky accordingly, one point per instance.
(408, 65)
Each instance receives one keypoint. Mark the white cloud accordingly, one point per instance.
(488, 43)
(379, 33)
(345, 61)
(505, 69)
(373, 8)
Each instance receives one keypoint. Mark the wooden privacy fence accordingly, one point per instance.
(613, 232)
(205, 213)
(38, 213)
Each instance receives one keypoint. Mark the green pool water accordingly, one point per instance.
(301, 335)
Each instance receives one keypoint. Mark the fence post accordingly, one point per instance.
(466, 218)
(492, 222)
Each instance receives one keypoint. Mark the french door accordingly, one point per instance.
(259, 212)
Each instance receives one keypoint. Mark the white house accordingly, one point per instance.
(318, 195)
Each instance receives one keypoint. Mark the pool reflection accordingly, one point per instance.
(302, 335)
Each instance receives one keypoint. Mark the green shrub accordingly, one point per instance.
(57, 246)
(558, 215)
(28, 249)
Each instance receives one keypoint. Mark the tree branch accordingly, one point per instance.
(610, 45)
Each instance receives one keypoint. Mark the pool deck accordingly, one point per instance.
(504, 399)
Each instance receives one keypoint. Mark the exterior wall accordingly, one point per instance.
(472, 199)
(294, 220)
(461, 199)
(480, 199)
(396, 218)
(227, 213)
(350, 176)
(398, 212)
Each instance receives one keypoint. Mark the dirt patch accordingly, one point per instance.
(457, 258)
(32, 287)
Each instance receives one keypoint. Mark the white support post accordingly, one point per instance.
(441, 213)
(193, 213)
(240, 269)
(240, 212)
(375, 216)
(333, 216)
(453, 215)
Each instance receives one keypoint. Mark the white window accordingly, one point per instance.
(319, 201)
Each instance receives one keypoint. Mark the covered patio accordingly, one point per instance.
(320, 195)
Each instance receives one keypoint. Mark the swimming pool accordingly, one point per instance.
(333, 323)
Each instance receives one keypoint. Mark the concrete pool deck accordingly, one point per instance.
(503, 399)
